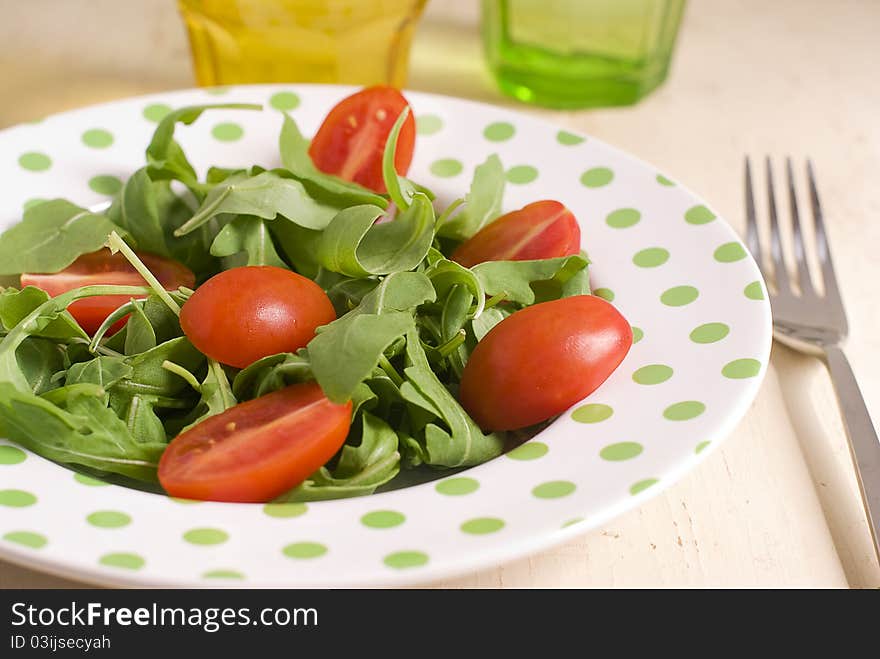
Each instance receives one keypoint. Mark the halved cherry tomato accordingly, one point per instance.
(541, 230)
(352, 138)
(256, 451)
(541, 360)
(102, 267)
(246, 313)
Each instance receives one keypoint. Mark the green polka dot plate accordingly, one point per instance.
(672, 266)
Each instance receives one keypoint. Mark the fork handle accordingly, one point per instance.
(863, 442)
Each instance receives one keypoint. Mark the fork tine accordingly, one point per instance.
(828, 276)
(803, 270)
(779, 269)
(752, 239)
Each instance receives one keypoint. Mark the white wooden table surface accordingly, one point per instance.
(778, 504)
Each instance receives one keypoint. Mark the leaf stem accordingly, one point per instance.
(180, 371)
(447, 212)
(388, 367)
(452, 344)
(495, 299)
(223, 382)
(117, 244)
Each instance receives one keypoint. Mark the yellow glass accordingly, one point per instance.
(360, 42)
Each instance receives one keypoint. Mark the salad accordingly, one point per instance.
(298, 333)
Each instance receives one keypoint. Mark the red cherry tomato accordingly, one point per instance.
(256, 451)
(243, 314)
(541, 360)
(541, 230)
(102, 267)
(352, 138)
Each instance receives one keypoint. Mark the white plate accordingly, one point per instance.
(696, 296)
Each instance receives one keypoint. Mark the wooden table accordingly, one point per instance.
(778, 505)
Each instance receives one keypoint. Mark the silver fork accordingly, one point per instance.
(815, 323)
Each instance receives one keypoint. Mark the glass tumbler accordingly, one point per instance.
(580, 53)
(362, 42)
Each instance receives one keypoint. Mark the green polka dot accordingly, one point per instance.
(553, 489)
(227, 132)
(754, 291)
(709, 333)
(402, 560)
(184, 502)
(105, 184)
(446, 167)
(284, 101)
(652, 374)
(685, 410)
(730, 252)
(701, 447)
(31, 203)
(662, 180)
(383, 519)
(592, 413)
(123, 560)
(35, 162)
(16, 498)
(457, 486)
(623, 218)
(304, 550)
(499, 131)
(11, 455)
(651, 257)
(529, 451)
(97, 138)
(108, 519)
(284, 510)
(155, 112)
(26, 539)
(428, 124)
(568, 139)
(597, 177)
(621, 451)
(638, 334)
(604, 293)
(572, 522)
(679, 296)
(521, 174)
(217, 91)
(482, 525)
(82, 479)
(222, 574)
(740, 369)
(698, 215)
(635, 488)
(206, 536)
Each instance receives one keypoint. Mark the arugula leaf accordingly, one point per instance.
(445, 275)
(295, 157)
(165, 158)
(249, 235)
(514, 279)
(39, 360)
(15, 305)
(149, 378)
(265, 195)
(216, 396)
(299, 245)
(103, 371)
(143, 424)
(399, 291)
(400, 190)
(355, 244)
(85, 433)
(482, 203)
(51, 236)
(139, 333)
(482, 325)
(345, 352)
(360, 470)
(461, 443)
(271, 374)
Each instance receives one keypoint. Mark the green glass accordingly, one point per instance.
(580, 53)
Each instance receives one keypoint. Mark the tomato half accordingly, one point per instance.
(541, 230)
(352, 138)
(541, 360)
(102, 267)
(246, 313)
(257, 450)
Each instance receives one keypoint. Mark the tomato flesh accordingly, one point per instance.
(257, 450)
(351, 141)
(541, 360)
(103, 267)
(246, 313)
(540, 230)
